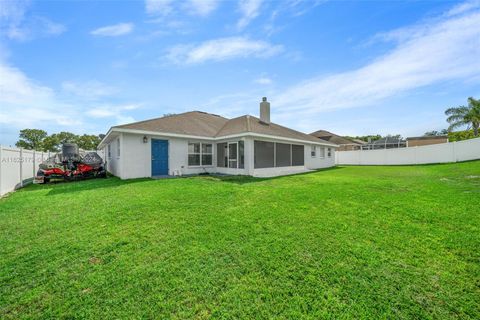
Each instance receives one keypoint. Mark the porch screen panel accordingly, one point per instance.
(241, 154)
(283, 155)
(264, 154)
(221, 154)
(298, 155)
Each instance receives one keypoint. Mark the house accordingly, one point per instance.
(343, 143)
(426, 140)
(389, 142)
(198, 142)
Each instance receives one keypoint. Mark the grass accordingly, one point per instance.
(350, 242)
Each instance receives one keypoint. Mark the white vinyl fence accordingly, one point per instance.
(436, 153)
(19, 166)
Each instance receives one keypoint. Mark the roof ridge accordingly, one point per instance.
(167, 116)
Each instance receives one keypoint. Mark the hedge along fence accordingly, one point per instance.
(435, 153)
(19, 166)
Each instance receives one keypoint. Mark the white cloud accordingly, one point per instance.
(26, 103)
(445, 49)
(249, 9)
(115, 30)
(201, 7)
(17, 25)
(111, 111)
(164, 8)
(263, 80)
(464, 7)
(222, 49)
(158, 7)
(90, 90)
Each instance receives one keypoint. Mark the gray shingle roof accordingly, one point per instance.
(190, 123)
(332, 137)
(210, 125)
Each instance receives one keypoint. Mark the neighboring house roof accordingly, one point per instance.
(202, 124)
(332, 137)
(359, 141)
(387, 140)
(428, 138)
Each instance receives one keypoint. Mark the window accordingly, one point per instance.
(314, 151)
(207, 154)
(298, 155)
(118, 148)
(264, 154)
(322, 152)
(283, 155)
(329, 153)
(109, 148)
(200, 154)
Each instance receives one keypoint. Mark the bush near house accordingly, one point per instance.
(349, 242)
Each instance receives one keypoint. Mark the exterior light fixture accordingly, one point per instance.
(145, 139)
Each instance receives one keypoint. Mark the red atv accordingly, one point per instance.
(71, 164)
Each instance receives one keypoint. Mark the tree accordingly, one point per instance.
(65, 137)
(433, 133)
(88, 141)
(31, 139)
(51, 143)
(468, 116)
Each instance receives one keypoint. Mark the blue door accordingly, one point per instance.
(159, 157)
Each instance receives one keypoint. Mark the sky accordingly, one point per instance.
(350, 67)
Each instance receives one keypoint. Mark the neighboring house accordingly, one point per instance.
(198, 142)
(343, 143)
(426, 140)
(385, 143)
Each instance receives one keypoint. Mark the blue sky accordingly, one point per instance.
(353, 68)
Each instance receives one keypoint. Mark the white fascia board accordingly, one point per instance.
(239, 135)
(267, 136)
(104, 140)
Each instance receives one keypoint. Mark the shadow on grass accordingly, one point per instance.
(248, 179)
(63, 187)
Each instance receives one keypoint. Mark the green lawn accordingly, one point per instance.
(349, 242)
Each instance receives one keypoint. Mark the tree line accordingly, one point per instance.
(462, 116)
(40, 140)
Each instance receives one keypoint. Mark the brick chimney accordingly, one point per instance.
(265, 111)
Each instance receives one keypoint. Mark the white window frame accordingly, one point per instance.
(329, 152)
(313, 151)
(200, 154)
(109, 151)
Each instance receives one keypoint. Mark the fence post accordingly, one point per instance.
(455, 151)
(21, 167)
(34, 161)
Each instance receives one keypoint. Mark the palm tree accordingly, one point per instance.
(465, 116)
